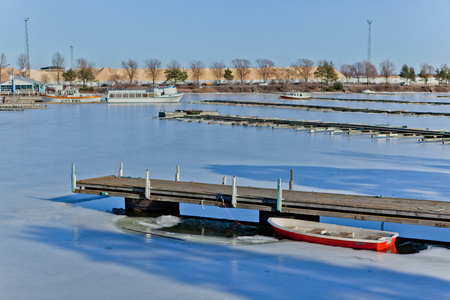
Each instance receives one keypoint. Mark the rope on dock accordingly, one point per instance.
(220, 197)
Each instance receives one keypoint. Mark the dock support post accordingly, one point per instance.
(121, 169)
(382, 226)
(233, 192)
(147, 185)
(224, 180)
(291, 182)
(74, 178)
(177, 174)
(279, 195)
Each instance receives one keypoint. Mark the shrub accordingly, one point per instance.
(338, 86)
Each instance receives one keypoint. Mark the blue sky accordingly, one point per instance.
(108, 32)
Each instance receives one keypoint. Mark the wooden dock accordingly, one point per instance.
(324, 108)
(21, 106)
(145, 193)
(375, 131)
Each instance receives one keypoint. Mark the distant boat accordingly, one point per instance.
(295, 96)
(70, 95)
(158, 95)
(368, 92)
(334, 235)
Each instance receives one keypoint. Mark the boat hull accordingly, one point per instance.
(161, 99)
(61, 99)
(293, 98)
(300, 230)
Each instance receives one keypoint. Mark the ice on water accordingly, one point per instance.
(52, 249)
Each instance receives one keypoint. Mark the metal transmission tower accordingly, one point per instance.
(369, 41)
(71, 57)
(27, 49)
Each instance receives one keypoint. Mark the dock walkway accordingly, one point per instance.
(323, 108)
(384, 209)
(375, 131)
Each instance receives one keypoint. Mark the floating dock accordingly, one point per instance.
(375, 131)
(384, 101)
(324, 108)
(144, 194)
(21, 106)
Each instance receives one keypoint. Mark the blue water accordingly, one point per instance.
(38, 148)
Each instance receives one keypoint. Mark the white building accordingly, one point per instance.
(21, 85)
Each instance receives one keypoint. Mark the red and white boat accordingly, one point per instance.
(295, 96)
(334, 235)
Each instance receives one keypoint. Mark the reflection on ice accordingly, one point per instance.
(197, 230)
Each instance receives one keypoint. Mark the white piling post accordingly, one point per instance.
(147, 185)
(177, 174)
(279, 195)
(224, 180)
(74, 178)
(121, 169)
(233, 192)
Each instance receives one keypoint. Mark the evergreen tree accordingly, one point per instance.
(326, 72)
(228, 75)
(408, 73)
(443, 74)
(412, 74)
(404, 73)
(85, 75)
(70, 75)
(176, 75)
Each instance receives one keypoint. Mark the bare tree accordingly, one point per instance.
(85, 70)
(22, 62)
(153, 67)
(370, 71)
(387, 69)
(304, 67)
(59, 62)
(83, 63)
(359, 69)
(426, 71)
(197, 68)
(116, 79)
(217, 69)
(284, 75)
(131, 67)
(2, 64)
(242, 67)
(44, 78)
(174, 65)
(347, 71)
(266, 68)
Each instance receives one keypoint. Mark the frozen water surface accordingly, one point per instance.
(55, 245)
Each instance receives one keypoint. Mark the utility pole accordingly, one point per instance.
(369, 41)
(71, 57)
(27, 49)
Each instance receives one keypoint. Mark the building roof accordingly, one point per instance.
(18, 80)
(53, 68)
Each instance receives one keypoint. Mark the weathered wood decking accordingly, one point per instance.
(384, 209)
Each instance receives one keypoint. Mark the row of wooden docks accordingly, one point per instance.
(375, 131)
(145, 194)
(21, 106)
(324, 108)
(384, 101)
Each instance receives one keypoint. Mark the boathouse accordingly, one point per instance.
(21, 85)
